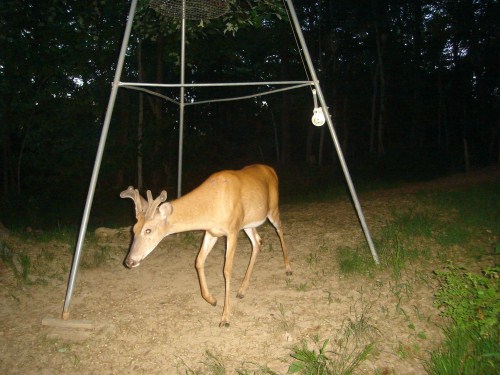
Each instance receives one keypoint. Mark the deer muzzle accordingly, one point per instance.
(131, 263)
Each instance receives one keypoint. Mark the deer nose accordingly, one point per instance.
(131, 263)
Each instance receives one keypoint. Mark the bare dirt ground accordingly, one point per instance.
(153, 320)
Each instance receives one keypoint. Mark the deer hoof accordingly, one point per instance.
(210, 300)
(224, 324)
(240, 295)
(289, 273)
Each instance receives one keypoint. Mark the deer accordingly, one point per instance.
(224, 204)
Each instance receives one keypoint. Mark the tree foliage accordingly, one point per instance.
(406, 82)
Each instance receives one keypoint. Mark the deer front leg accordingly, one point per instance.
(228, 268)
(207, 245)
(256, 242)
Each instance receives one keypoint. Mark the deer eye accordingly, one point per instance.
(147, 231)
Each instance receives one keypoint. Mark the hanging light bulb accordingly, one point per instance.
(318, 118)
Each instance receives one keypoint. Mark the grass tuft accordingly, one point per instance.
(339, 360)
(465, 352)
(19, 263)
(339, 356)
(352, 261)
(472, 301)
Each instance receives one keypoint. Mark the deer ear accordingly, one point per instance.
(166, 210)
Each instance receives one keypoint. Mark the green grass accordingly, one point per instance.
(478, 206)
(256, 370)
(190, 239)
(436, 222)
(67, 235)
(95, 256)
(331, 358)
(467, 219)
(453, 236)
(412, 223)
(341, 354)
(213, 364)
(397, 244)
(20, 264)
(472, 301)
(465, 352)
(307, 361)
(355, 260)
(400, 241)
(25, 262)
(445, 219)
(475, 210)
(284, 322)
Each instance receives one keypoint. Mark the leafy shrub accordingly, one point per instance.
(471, 300)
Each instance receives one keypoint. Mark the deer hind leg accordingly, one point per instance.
(228, 269)
(207, 245)
(256, 242)
(274, 218)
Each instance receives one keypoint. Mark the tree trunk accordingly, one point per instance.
(285, 128)
(321, 149)
(466, 155)
(276, 138)
(159, 72)
(417, 133)
(6, 158)
(310, 159)
(379, 11)
(21, 152)
(20, 161)
(374, 108)
(140, 120)
(285, 116)
(381, 112)
(345, 138)
(495, 142)
(156, 103)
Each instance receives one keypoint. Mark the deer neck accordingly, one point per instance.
(190, 212)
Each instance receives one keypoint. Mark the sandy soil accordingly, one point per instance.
(153, 320)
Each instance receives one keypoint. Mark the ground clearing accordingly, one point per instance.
(152, 319)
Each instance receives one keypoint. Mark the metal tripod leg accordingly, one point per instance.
(347, 175)
(97, 163)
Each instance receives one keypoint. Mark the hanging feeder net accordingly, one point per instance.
(192, 9)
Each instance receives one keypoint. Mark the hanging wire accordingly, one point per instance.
(150, 92)
(251, 95)
(297, 42)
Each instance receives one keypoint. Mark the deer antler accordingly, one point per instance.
(153, 204)
(141, 205)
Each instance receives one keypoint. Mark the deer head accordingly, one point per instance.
(149, 229)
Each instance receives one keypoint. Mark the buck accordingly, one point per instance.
(227, 202)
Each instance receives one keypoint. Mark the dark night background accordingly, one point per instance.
(412, 86)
